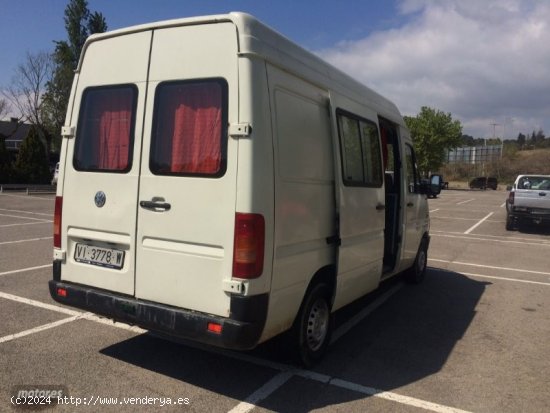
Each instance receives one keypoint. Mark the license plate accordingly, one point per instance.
(104, 257)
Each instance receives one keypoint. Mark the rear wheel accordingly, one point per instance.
(312, 328)
(417, 272)
(510, 222)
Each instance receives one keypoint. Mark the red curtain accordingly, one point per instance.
(114, 124)
(192, 121)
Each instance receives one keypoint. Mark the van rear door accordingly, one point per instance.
(187, 191)
(101, 170)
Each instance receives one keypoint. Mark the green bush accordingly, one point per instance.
(31, 165)
(6, 167)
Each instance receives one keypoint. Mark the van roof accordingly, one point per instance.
(258, 39)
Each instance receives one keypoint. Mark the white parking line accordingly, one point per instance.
(25, 223)
(490, 266)
(478, 224)
(263, 392)
(25, 212)
(286, 371)
(478, 238)
(433, 210)
(394, 397)
(25, 240)
(456, 218)
(503, 204)
(505, 279)
(25, 269)
(465, 202)
(504, 237)
(40, 304)
(39, 328)
(20, 217)
(29, 197)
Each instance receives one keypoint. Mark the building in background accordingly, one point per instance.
(475, 154)
(13, 133)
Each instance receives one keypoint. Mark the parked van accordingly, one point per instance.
(221, 184)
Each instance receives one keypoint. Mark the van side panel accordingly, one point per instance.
(255, 185)
(304, 193)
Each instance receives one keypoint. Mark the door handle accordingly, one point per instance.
(380, 207)
(542, 193)
(157, 204)
(410, 204)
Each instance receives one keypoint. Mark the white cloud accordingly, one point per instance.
(484, 61)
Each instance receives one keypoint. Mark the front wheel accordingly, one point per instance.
(417, 273)
(312, 329)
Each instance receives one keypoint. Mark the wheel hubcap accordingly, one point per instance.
(317, 324)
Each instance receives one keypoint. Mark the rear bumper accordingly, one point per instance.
(240, 332)
(534, 214)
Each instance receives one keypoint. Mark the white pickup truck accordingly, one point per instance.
(528, 200)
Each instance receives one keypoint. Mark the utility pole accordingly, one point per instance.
(494, 131)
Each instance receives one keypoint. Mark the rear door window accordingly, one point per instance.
(190, 129)
(105, 134)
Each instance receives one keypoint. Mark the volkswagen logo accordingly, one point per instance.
(100, 199)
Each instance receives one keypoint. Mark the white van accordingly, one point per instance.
(221, 184)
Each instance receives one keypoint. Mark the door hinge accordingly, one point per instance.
(59, 254)
(67, 132)
(232, 286)
(240, 130)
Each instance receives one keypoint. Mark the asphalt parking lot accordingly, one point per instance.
(473, 337)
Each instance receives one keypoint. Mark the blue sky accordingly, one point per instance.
(484, 61)
(32, 25)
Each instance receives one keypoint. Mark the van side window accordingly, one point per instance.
(413, 178)
(360, 148)
(190, 129)
(105, 133)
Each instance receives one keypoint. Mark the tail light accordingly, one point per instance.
(248, 249)
(57, 222)
(511, 198)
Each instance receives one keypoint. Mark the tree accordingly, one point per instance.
(521, 140)
(27, 87)
(31, 164)
(4, 108)
(467, 140)
(433, 133)
(5, 163)
(97, 23)
(538, 138)
(79, 23)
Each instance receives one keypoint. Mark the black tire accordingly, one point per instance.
(313, 326)
(510, 223)
(417, 273)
